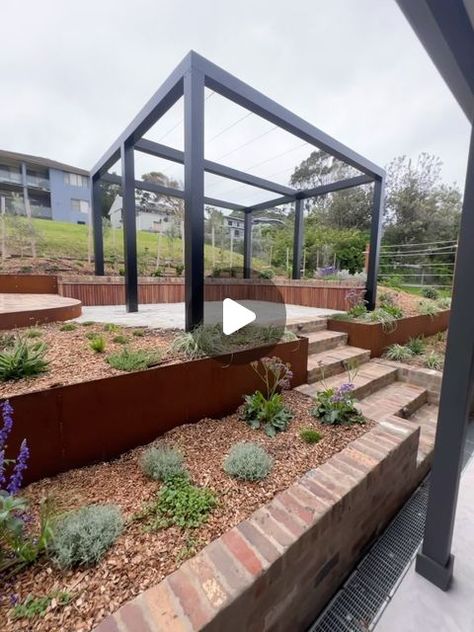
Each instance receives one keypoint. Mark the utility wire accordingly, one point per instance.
(426, 243)
(229, 127)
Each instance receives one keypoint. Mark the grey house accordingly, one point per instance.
(53, 190)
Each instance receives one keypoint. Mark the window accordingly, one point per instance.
(80, 206)
(75, 180)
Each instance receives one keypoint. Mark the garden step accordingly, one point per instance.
(427, 418)
(399, 398)
(369, 378)
(302, 327)
(324, 340)
(323, 365)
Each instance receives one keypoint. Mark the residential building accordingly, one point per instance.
(154, 218)
(51, 190)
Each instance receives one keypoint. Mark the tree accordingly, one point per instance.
(108, 193)
(148, 200)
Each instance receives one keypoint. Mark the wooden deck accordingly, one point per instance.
(23, 310)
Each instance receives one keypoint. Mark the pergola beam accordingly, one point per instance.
(169, 153)
(332, 187)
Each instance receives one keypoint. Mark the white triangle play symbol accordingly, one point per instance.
(235, 316)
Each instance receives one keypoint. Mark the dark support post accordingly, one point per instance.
(129, 227)
(194, 198)
(247, 245)
(435, 562)
(298, 239)
(374, 247)
(96, 219)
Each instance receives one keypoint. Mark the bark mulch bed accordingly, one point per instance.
(139, 558)
(71, 359)
(409, 303)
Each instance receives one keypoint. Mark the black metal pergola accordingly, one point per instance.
(189, 80)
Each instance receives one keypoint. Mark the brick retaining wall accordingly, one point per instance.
(276, 570)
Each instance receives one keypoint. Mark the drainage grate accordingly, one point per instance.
(357, 606)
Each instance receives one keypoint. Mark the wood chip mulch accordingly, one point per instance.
(71, 359)
(140, 559)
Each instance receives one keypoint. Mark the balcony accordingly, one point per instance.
(38, 182)
(10, 177)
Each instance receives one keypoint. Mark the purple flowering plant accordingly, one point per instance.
(267, 409)
(337, 406)
(18, 546)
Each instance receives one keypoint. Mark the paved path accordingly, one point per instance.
(171, 315)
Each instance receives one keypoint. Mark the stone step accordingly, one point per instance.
(324, 340)
(327, 363)
(369, 378)
(427, 418)
(307, 326)
(398, 398)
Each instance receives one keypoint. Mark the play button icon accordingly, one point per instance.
(235, 316)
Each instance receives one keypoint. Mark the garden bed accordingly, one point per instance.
(140, 558)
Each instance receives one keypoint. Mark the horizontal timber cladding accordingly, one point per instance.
(275, 571)
(372, 335)
(75, 425)
(28, 284)
(110, 291)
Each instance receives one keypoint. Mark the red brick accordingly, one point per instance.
(234, 574)
(269, 526)
(192, 602)
(309, 500)
(259, 542)
(108, 625)
(360, 456)
(132, 617)
(285, 518)
(293, 506)
(207, 577)
(325, 495)
(344, 459)
(164, 609)
(242, 551)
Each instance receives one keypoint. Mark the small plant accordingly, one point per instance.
(97, 344)
(398, 353)
(427, 308)
(357, 311)
(179, 268)
(120, 339)
(128, 360)
(380, 315)
(444, 303)
(266, 274)
(33, 607)
(201, 341)
(268, 410)
(23, 359)
(336, 406)
(111, 328)
(157, 273)
(248, 461)
(138, 333)
(6, 341)
(82, 537)
(68, 327)
(183, 504)
(308, 435)
(430, 292)
(33, 333)
(416, 345)
(385, 298)
(88, 323)
(433, 360)
(162, 463)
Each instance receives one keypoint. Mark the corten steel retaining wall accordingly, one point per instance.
(372, 336)
(40, 314)
(110, 291)
(75, 425)
(28, 284)
(276, 570)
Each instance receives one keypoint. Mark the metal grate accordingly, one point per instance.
(357, 606)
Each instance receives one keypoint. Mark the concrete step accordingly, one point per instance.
(427, 418)
(399, 398)
(307, 326)
(327, 363)
(369, 378)
(324, 340)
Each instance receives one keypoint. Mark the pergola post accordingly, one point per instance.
(194, 197)
(129, 227)
(298, 238)
(435, 561)
(247, 245)
(96, 218)
(374, 248)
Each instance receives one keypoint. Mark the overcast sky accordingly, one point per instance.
(74, 74)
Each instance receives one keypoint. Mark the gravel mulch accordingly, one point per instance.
(139, 558)
(71, 359)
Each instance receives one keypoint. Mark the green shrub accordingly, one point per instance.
(183, 504)
(203, 340)
(430, 292)
(433, 360)
(33, 333)
(120, 340)
(112, 328)
(357, 311)
(97, 344)
(7, 341)
(248, 461)
(394, 281)
(68, 327)
(82, 537)
(393, 310)
(416, 345)
(385, 298)
(266, 274)
(337, 406)
(444, 303)
(308, 435)
(426, 308)
(23, 359)
(33, 607)
(88, 323)
(162, 463)
(127, 360)
(398, 353)
(157, 273)
(179, 268)
(139, 333)
(380, 315)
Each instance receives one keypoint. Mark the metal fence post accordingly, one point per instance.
(374, 248)
(298, 238)
(129, 227)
